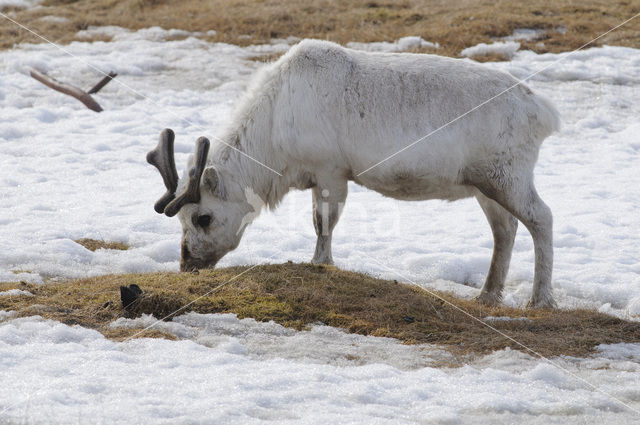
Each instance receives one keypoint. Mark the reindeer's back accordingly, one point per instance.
(360, 107)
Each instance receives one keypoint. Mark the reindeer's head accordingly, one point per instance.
(211, 216)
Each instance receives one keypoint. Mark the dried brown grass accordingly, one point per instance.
(455, 25)
(95, 244)
(298, 295)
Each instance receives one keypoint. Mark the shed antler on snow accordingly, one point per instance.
(78, 93)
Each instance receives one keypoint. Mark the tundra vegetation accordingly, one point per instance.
(300, 295)
(454, 25)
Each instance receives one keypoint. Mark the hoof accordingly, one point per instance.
(542, 302)
(489, 299)
(325, 261)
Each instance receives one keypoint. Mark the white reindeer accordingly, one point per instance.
(322, 114)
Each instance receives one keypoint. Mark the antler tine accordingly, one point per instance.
(162, 158)
(191, 193)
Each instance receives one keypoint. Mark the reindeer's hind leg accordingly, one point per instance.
(328, 201)
(503, 226)
(518, 196)
(536, 216)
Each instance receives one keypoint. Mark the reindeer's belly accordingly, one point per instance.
(415, 188)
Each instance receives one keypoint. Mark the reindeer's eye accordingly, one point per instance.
(204, 220)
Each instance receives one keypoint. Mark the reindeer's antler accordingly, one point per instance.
(191, 193)
(162, 158)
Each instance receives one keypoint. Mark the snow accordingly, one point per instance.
(607, 65)
(400, 45)
(15, 293)
(4, 315)
(321, 345)
(633, 308)
(69, 173)
(524, 34)
(19, 3)
(505, 319)
(505, 48)
(222, 373)
(54, 19)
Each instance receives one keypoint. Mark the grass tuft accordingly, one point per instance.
(299, 295)
(94, 244)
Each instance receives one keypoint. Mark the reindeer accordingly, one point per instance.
(323, 115)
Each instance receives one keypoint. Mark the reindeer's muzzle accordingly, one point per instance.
(188, 263)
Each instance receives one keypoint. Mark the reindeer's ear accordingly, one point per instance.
(212, 181)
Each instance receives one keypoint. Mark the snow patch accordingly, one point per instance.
(607, 65)
(15, 293)
(400, 45)
(73, 374)
(524, 34)
(101, 31)
(506, 319)
(320, 345)
(19, 3)
(54, 19)
(622, 351)
(633, 308)
(4, 315)
(505, 48)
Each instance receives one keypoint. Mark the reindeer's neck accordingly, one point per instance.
(251, 161)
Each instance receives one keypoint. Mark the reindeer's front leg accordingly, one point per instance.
(328, 201)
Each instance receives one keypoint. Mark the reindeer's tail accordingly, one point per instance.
(547, 117)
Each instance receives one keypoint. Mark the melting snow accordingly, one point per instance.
(19, 3)
(505, 48)
(222, 374)
(505, 319)
(524, 34)
(321, 345)
(69, 173)
(15, 292)
(400, 45)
